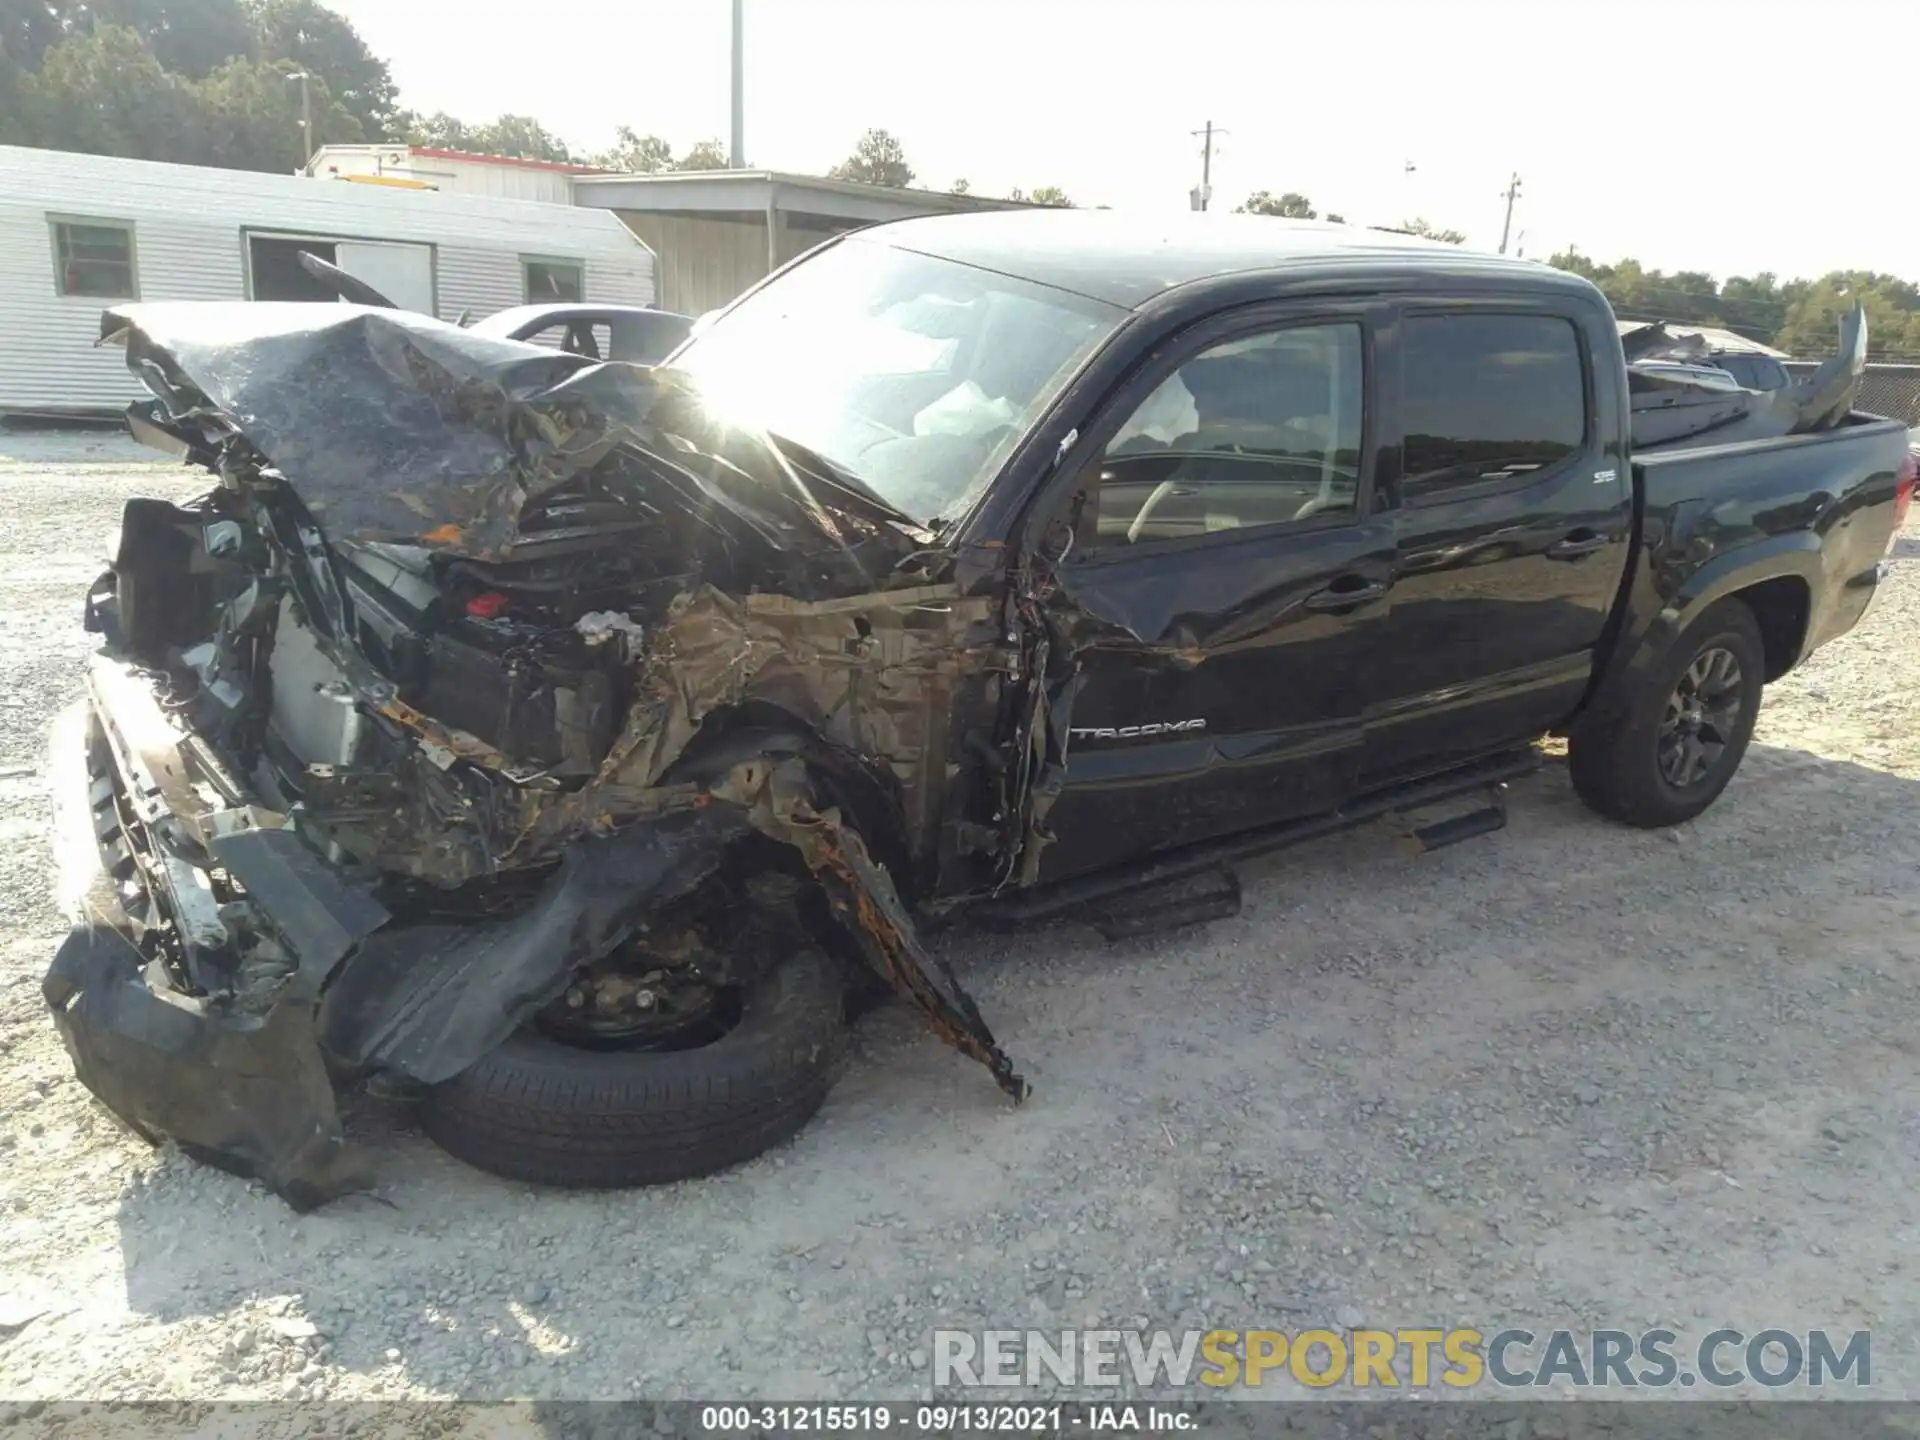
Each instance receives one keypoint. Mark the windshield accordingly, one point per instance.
(915, 375)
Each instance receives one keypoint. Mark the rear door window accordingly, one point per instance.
(1488, 398)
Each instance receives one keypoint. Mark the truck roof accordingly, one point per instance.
(1128, 259)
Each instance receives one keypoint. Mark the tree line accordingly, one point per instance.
(205, 82)
(212, 82)
(1294, 206)
(1801, 317)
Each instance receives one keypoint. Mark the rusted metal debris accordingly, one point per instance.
(778, 801)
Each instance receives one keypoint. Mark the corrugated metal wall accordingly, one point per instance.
(704, 261)
(707, 260)
(484, 281)
(452, 176)
(188, 226)
(48, 360)
(503, 182)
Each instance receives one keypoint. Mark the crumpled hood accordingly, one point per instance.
(393, 426)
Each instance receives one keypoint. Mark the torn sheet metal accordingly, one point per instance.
(875, 675)
(429, 1000)
(1675, 403)
(247, 1088)
(432, 877)
(396, 427)
(777, 799)
(316, 915)
(248, 1093)
(1657, 341)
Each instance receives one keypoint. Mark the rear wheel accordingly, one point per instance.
(1667, 755)
(590, 1100)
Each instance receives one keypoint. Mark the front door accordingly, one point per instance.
(1223, 588)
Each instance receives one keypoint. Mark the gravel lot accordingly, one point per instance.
(1569, 1074)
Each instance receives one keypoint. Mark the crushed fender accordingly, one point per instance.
(444, 671)
(428, 1001)
(778, 802)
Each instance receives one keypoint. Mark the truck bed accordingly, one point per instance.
(1809, 515)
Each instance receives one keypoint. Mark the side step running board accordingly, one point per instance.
(1171, 905)
(1081, 894)
(1488, 818)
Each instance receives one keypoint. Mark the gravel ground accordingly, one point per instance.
(1569, 1074)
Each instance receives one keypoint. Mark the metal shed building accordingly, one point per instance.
(79, 233)
(719, 231)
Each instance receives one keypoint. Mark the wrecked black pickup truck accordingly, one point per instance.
(559, 743)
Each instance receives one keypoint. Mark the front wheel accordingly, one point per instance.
(563, 1106)
(1666, 756)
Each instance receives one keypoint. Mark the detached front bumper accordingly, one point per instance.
(247, 1093)
(200, 883)
(237, 1078)
(239, 1073)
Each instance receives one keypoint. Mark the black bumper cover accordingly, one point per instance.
(249, 1088)
(247, 1093)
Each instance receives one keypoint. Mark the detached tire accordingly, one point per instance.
(1668, 753)
(554, 1114)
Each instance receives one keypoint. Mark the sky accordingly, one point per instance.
(1771, 136)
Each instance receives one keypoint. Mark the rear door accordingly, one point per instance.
(1225, 585)
(1512, 512)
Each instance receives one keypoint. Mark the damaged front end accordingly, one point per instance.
(485, 676)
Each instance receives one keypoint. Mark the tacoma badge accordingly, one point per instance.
(1137, 732)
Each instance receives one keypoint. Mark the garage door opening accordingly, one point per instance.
(276, 269)
(402, 272)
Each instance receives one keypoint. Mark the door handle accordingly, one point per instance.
(1577, 545)
(1335, 598)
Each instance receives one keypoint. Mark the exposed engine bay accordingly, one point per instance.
(497, 684)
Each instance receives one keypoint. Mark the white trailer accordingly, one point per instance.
(81, 233)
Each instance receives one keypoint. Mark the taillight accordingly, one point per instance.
(1903, 488)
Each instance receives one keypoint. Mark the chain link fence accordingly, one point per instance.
(1886, 389)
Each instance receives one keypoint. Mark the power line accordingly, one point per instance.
(1204, 195)
(1512, 193)
(737, 149)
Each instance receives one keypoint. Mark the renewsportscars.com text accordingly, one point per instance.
(1410, 1358)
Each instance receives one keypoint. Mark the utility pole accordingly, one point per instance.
(1512, 193)
(1204, 194)
(306, 116)
(737, 155)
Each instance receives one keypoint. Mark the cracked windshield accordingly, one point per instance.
(914, 375)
